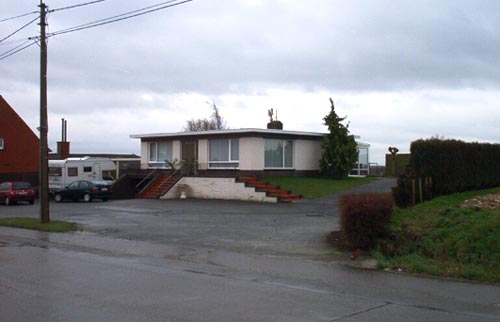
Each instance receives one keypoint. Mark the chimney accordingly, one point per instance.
(274, 123)
(63, 145)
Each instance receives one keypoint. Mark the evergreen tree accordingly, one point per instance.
(339, 152)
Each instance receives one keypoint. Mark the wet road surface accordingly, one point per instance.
(152, 260)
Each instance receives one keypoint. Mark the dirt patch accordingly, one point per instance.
(488, 201)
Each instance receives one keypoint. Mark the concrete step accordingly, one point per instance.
(271, 190)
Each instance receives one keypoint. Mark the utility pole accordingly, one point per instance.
(44, 166)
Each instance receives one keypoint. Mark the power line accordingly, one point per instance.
(124, 16)
(15, 32)
(131, 14)
(17, 49)
(23, 15)
(77, 5)
(13, 42)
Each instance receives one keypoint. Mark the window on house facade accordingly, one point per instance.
(87, 169)
(153, 151)
(362, 166)
(164, 151)
(159, 152)
(1, 144)
(278, 154)
(224, 153)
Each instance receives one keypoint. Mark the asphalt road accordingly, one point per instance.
(202, 260)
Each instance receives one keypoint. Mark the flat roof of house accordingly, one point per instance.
(224, 132)
(238, 132)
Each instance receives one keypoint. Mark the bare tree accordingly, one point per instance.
(216, 122)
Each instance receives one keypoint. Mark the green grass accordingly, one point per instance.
(441, 238)
(311, 188)
(54, 226)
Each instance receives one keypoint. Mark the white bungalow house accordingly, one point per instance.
(241, 151)
(220, 163)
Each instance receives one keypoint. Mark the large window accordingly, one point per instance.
(224, 153)
(362, 167)
(153, 151)
(159, 152)
(1, 144)
(278, 154)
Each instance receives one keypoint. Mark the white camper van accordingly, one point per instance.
(64, 172)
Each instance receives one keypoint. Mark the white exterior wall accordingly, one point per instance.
(144, 155)
(203, 154)
(252, 153)
(306, 154)
(176, 150)
(215, 188)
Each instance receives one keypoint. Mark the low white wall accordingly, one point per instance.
(215, 188)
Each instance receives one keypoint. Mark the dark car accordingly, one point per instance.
(86, 190)
(15, 191)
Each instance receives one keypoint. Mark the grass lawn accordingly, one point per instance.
(54, 226)
(441, 238)
(311, 188)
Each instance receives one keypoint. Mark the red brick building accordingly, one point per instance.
(19, 147)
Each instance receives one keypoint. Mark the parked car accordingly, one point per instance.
(84, 190)
(15, 191)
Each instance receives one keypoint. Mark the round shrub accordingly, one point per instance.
(365, 218)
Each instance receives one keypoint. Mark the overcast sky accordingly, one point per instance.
(399, 70)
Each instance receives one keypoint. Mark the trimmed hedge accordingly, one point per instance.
(401, 166)
(456, 166)
(365, 218)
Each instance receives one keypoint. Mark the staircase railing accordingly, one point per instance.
(180, 175)
(141, 190)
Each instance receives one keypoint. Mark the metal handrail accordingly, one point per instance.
(145, 178)
(170, 176)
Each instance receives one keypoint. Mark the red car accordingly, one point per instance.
(12, 192)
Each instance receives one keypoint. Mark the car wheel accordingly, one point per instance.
(7, 201)
(104, 199)
(32, 202)
(58, 198)
(87, 198)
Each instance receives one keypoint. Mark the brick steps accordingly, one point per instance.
(158, 187)
(271, 190)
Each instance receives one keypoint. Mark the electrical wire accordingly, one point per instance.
(124, 16)
(76, 5)
(23, 15)
(131, 14)
(17, 49)
(15, 32)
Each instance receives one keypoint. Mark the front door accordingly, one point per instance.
(189, 156)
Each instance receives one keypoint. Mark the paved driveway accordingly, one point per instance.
(297, 229)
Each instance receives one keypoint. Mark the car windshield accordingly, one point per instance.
(21, 186)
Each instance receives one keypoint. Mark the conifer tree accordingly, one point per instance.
(339, 152)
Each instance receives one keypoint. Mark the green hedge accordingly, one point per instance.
(401, 166)
(456, 166)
